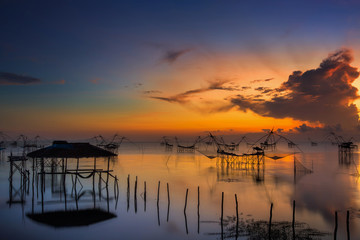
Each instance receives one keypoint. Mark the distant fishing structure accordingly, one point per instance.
(111, 145)
(168, 145)
(345, 148)
(181, 148)
(312, 143)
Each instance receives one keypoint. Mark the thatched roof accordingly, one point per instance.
(63, 149)
(71, 218)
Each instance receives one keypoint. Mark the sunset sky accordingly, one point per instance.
(74, 69)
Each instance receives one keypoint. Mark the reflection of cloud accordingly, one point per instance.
(15, 79)
(172, 55)
(322, 95)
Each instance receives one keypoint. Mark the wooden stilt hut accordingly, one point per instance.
(57, 156)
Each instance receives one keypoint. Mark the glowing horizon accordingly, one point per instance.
(229, 68)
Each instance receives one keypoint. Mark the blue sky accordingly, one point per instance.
(101, 54)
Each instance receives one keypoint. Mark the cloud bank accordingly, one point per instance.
(322, 95)
(15, 79)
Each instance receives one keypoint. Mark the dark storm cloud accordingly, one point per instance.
(322, 95)
(15, 79)
(183, 98)
(305, 128)
(172, 55)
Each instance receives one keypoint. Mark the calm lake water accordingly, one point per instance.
(333, 185)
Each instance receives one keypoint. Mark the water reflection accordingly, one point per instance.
(88, 185)
(57, 195)
(260, 229)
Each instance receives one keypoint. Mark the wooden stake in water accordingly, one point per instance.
(348, 224)
(237, 217)
(158, 194)
(135, 195)
(198, 210)
(186, 196)
(128, 192)
(168, 209)
(144, 196)
(168, 192)
(271, 208)
(222, 215)
(293, 220)
(336, 225)
(135, 191)
(222, 206)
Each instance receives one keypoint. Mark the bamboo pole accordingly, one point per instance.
(222, 206)
(293, 220)
(222, 215)
(348, 224)
(128, 192)
(237, 217)
(135, 195)
(168, 209)
(198, 210)
(271, 208)
(158, 194)
(144, 196)
(168, 192)
(186, 196)
(336, 225)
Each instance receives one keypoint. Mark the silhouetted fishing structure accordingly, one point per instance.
(25, 143)
(256, 157)
(111, 145)
(231, 146)
(271, 139)
(168, 145)
(4, 140)
(181, 148)
(312, 143)
(345, 148)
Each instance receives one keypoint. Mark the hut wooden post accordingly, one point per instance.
(108, 171)
(94, 171)
(64, 184)
(144, 196)
(33, 190)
